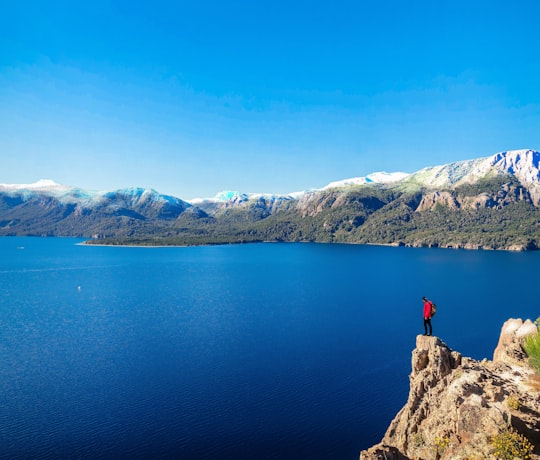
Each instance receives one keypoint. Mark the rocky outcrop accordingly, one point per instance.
(507, 194)
(509, 347)
(432, 199)
(457, 405)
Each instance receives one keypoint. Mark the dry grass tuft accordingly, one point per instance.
(534, 382)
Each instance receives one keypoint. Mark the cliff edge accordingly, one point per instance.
(457, 406)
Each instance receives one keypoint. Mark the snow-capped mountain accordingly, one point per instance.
(42, 185)
(374, 178)
(67, 194)
(231, 198)
(48, 208)
(238, 197)
(523, 164)
(143, 196)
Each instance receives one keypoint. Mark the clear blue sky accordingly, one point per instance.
(194, 97)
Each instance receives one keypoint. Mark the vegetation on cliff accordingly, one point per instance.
(531, 345)
(510, 445)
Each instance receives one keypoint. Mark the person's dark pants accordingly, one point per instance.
(427, 322)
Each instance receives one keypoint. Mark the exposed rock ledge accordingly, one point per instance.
(457, 404)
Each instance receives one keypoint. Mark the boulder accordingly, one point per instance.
(509, 346)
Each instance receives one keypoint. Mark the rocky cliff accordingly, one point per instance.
(458, 407)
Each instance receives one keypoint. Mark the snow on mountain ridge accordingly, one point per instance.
(381, 177)
(64, 193)
(229, 196)
(141, 195)
(523, 164)
(87, 198)
(374, 178)
(40, 185)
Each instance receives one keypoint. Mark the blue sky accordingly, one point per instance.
(194, 97)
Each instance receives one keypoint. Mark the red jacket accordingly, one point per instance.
(427, 309)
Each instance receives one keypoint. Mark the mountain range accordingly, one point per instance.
(491, 202)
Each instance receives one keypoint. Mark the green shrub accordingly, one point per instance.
(513, 403)
(510, 445)
(417, 440)
(531, 345)
(441, 444)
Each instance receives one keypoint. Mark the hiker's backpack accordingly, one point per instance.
(433, 309)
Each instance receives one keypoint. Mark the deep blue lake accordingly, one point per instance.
(284, 351)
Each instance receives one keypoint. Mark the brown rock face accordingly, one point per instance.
(430, 200)
(456, 405)
(509, 346)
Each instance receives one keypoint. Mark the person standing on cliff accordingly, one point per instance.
(427, 316)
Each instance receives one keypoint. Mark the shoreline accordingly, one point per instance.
(467, 247)
(513, 248)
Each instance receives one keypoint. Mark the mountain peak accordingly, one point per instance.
(42, 185)
(524, 164)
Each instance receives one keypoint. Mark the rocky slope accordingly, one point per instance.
(457, 406)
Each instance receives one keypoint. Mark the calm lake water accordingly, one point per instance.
(297, 351)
